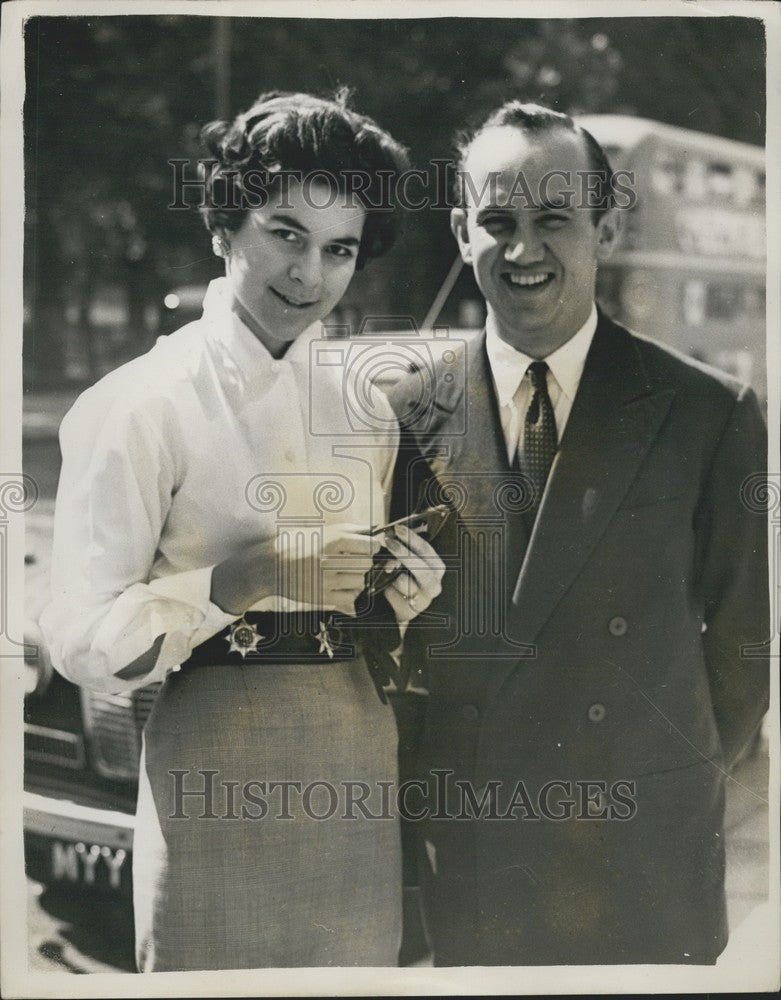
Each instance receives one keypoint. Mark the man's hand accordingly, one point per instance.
(414, 589)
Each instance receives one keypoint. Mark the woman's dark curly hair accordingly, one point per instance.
(303, 135)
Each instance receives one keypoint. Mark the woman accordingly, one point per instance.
(211, 534)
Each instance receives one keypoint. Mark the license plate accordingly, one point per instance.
(91, 865)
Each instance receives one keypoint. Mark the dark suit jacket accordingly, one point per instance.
(595, 681)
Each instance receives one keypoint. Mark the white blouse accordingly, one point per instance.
(185, 455)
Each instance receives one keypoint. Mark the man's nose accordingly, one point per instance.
(307, 269)
(514, 250)
(524, 248)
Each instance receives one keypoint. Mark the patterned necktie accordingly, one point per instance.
(539, 441)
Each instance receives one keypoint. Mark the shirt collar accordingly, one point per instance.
(508, 366)
(246, 349)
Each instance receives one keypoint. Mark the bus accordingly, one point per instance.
(689, 267)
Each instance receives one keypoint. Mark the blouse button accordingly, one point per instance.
(617, 626)
(275, 366)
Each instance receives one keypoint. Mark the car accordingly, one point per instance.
(81, 750)
(81, 754)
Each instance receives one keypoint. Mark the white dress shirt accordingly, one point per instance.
(179, 459)
(514, 392)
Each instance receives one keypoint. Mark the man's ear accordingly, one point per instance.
(459, 229)
(608, 231)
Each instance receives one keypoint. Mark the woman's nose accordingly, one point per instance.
(307, 269)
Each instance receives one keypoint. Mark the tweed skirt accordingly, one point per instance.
(252, 849)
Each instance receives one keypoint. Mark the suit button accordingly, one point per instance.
(470, 713)
(596, 712)
(617, 625)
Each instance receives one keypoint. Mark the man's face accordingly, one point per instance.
(534, 255)
(291, 261)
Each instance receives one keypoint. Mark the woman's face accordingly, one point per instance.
(292, 260)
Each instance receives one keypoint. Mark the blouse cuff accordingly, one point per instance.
(193, 589)
(176, 607)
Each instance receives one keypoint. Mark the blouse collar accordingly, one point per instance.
(250, 355)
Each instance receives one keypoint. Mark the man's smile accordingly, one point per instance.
(530, 280)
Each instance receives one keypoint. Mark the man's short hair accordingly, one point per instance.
(534, 119)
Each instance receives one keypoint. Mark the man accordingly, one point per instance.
(589, 682)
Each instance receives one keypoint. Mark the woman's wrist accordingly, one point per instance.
(242, 580)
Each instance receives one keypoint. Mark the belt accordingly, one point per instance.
(270, 637)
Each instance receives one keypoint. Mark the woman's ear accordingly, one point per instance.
(608, 231)
(220, 246)
(459, 229)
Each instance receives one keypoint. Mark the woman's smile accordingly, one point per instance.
(294, 303)
(290, 264)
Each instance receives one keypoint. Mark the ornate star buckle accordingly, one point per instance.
(330, 635)
(243, 637)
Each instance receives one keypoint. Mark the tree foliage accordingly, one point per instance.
(110, 100)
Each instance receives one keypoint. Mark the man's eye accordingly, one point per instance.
(553, 221)
(497, 223)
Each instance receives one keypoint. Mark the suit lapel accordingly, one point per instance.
(468, 455)
(615, 418)
(474, 462)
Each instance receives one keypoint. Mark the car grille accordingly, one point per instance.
(113, 725)
(53, 746)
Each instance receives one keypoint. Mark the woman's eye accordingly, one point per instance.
(338, 250)
(288, 235)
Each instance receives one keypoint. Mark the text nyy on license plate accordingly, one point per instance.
(93, 865)
(66, 842)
